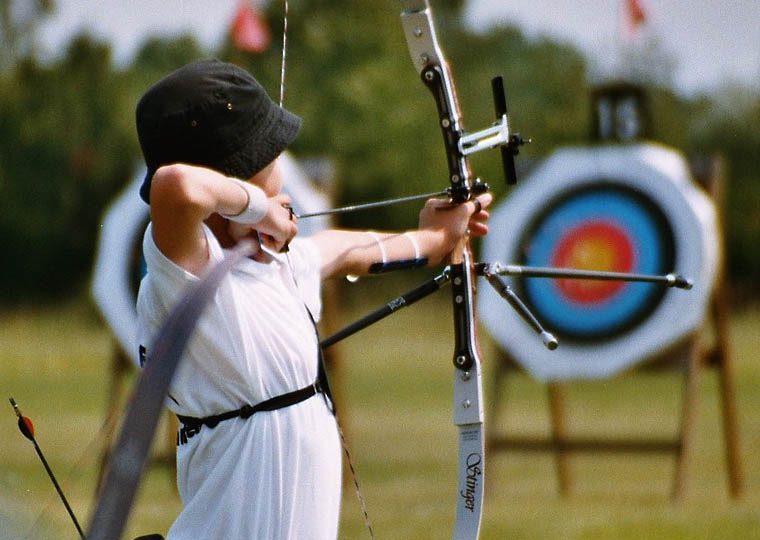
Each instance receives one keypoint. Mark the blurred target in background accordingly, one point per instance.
(625, 208)
(619, 204)
(601, 226)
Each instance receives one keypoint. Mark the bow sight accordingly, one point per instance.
(462, 144)
(427, 57)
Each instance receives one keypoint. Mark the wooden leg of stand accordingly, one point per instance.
(495, 398)
(118, 371)
(688, 414)
(730, 432)
(559, 435)
(171, 448)
(728, 400)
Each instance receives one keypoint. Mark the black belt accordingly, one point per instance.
(192, 426)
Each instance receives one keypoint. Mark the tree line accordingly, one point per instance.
(68, 142)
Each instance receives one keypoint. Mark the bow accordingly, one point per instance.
(461, 272)
(468, 393)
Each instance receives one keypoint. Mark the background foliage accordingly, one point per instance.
(69, 145)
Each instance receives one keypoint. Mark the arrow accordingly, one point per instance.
(377, 204)
(27, 429)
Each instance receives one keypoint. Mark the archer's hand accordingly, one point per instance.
(448, 223)
(276, 229)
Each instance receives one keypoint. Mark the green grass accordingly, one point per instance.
(394, 386)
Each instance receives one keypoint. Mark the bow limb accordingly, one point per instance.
(468, 401)
(429, 61)
(132, 447)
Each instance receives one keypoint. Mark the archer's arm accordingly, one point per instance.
(183, 196)
(440, 228)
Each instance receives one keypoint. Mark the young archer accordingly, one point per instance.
(211, 136)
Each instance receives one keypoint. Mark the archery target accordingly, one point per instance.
(630, 208)
(604, 227)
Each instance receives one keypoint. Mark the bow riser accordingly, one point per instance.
(460, 175)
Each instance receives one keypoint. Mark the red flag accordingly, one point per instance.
(250, 31)
(636, 13)
(634, 17)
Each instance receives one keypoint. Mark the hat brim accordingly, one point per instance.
(262, 147)
(259, 150)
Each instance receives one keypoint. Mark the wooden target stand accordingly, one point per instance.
(692, 356)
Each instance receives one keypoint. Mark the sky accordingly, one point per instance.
(710, 42)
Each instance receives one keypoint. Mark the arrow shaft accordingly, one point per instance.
(58, 488)
(377, 204)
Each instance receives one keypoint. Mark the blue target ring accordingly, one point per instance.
(600, 226)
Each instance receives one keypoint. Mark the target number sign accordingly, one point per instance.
(629, 208)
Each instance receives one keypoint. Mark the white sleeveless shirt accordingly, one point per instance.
(275, 475)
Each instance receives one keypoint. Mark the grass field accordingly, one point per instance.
(397, 415)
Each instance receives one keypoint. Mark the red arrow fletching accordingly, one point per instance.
(26, 427)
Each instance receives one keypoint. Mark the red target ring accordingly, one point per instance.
(594, 245)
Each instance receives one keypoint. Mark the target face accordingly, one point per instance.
(604, 227)
(621, 208)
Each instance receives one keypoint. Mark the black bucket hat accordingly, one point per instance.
(212, 114)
